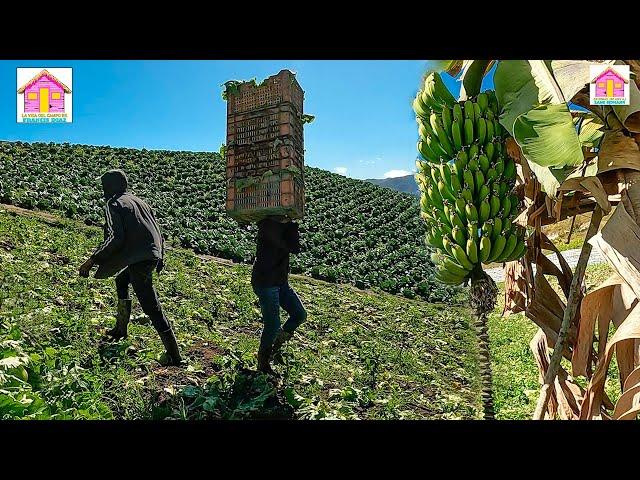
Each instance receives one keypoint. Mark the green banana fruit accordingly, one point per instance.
(468, 110)
(443, 137)
(515, 205)
(460, 255)
(483, 193)
(510, 246)
(479, 180)
(490, 131)
(447, 278)
(471, 211)
(452, 267)
(455, 184)
(472, 250)
(489, 150)
(460, 208)
(446, 121)
(469, 180)
(491, 175)
(472, 229)
(487, 227)
(506, 206)
(419, 107)
(483, 211)
(456, 135)
(457, 114)
(497, 247)
(481, 130)
(474, 150)
(485, 248)
(494, 204)
(468, 131)
(483, 102)
(425, 151)
(476, 112)
(467, 193)
(497, 229)
(509, 169)
(434, 196)
(519, 251)
(447, 244)
(483, 161)
(435, 146)
(456, 222)
(458, 235)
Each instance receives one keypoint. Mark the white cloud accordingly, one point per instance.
(340, 170)
(397, 173)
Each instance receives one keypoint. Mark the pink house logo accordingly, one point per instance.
(610, 85)
(44, 97)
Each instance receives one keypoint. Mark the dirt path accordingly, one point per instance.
(571, 256)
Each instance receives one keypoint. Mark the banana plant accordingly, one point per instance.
(538, 100)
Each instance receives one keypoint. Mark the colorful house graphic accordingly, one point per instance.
(609, 84)
(44, 93)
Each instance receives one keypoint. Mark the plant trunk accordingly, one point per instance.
(482, 299)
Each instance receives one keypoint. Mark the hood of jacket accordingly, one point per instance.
(114, 182)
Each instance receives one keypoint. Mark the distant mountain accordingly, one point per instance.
(405, 184)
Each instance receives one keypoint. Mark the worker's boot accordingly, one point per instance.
(264, 355)
(122, 320)
(282, 337)
(172, 353)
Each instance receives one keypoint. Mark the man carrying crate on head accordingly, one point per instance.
(277, 238)
(133, 248)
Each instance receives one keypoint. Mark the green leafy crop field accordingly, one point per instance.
(353, 232)
(360, 355)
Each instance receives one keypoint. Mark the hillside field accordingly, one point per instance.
(353, 232)
(360, 355)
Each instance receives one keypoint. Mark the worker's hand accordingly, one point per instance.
(85, 268)
(160, 265)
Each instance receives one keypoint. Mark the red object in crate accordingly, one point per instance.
(265, 149)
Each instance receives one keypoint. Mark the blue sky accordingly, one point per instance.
(364, 126)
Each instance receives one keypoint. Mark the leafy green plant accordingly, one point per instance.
(353, 231)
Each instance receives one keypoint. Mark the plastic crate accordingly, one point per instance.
(257, 158)
(279, 194)
(265, 125)
(275, 90)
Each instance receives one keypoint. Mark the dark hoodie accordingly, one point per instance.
(275, 242)
(131, 232)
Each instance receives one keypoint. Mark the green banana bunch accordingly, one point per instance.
(466, 181)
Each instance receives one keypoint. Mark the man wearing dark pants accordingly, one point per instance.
(132, 249)
(277, 238)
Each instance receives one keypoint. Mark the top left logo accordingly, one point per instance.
(45, 95)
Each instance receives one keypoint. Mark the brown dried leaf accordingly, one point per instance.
(619, 242)
(597, 191)
(618, 151)
(629, 329)
(516, 288)
(597, 304)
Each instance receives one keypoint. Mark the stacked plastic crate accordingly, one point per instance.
(265, 149)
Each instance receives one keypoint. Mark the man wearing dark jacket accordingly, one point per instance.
(277, 238)
(133, 248)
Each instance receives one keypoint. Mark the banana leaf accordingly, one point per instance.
(590, 130)
(473, 71)
(547, 136)
(573, 75)
(629, 115)
(522, 85)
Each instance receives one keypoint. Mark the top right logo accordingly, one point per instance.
(609, 84)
